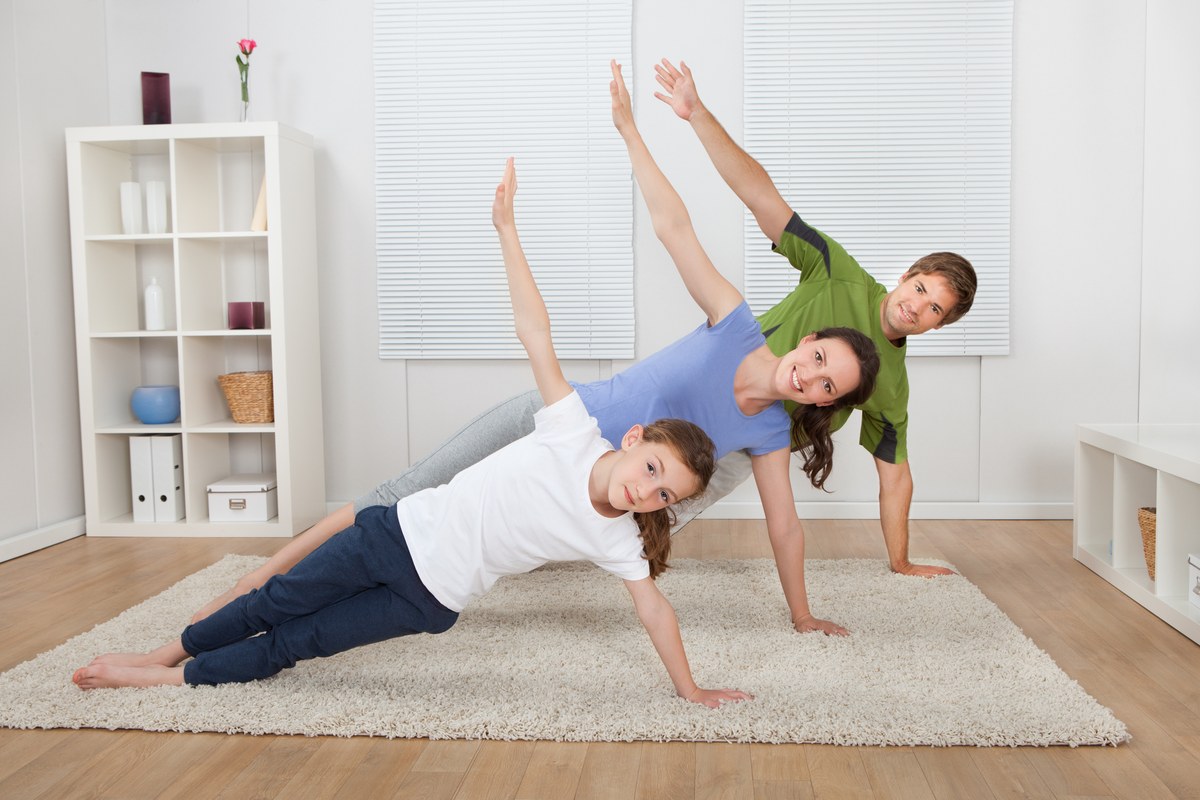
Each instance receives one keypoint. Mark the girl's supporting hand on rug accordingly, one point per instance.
(658, 617)
(715, 698)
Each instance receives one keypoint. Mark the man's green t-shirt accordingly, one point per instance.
(834, 291)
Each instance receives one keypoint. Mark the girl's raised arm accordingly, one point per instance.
(529, 310)
(672, 225)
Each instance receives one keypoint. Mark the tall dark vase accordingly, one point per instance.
(156, 98)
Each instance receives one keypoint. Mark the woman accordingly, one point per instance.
(722, 377)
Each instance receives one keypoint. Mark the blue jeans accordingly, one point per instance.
(357, 588)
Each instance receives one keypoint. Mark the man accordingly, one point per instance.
(834, 290)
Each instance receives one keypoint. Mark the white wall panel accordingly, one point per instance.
(1170, 365)
(77, 85)
(943, 429)
(18, 495)
(1076, 257)
(711, 44)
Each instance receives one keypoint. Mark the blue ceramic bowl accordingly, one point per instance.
(155, 405)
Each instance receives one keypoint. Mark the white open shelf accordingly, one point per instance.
(1119, 469)
(207, 258)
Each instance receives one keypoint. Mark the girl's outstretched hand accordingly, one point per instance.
(681, 93)
(502, 206)
(715, 698)
(622, 108)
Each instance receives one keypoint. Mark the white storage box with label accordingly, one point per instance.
(243, 498)
(1194, 579)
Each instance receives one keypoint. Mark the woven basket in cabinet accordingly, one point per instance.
(249, 395)
(1146, 521)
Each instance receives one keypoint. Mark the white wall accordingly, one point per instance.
(51, 77)
(1170, 285)
(1076, 247)
(1105, 177)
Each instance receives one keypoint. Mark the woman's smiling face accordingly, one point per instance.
(818, 371)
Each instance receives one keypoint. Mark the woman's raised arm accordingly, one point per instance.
(715, 295)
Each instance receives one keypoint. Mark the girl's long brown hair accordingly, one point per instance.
(697, 452)
(812, 434)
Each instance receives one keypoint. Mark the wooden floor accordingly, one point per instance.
(1126, 658)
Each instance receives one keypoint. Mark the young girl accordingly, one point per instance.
(559, 494)
(722, 376)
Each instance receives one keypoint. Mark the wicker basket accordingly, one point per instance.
(1146, 521)
(249, 395)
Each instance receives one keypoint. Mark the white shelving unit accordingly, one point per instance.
(1118, 469)
(208, 258)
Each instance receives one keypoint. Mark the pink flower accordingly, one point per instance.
(243, 64)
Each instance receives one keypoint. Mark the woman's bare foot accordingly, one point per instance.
(112, 676)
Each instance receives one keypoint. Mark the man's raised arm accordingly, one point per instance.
(749, 181)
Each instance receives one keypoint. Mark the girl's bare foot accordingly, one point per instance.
(112, 676)
(125, 660)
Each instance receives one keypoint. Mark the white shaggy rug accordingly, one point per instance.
(559, 654)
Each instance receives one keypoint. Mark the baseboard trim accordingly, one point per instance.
(948, 510)
(25, 543)
(840, 510)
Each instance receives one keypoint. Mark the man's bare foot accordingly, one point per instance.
(112, 676)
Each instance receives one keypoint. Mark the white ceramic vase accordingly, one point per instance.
(131, 208)
(156, 207)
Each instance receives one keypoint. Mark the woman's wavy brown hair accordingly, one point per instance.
(812, 434)
(697, 452)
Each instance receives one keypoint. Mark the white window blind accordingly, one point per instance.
(885, 124)
(458, 88)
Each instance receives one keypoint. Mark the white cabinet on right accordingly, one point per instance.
(1119, 469)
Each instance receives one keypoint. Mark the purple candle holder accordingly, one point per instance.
(243, 315)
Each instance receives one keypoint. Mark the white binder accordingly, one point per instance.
(141, 478)
(167, 464)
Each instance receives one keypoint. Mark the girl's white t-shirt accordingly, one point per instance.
(519, 508)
